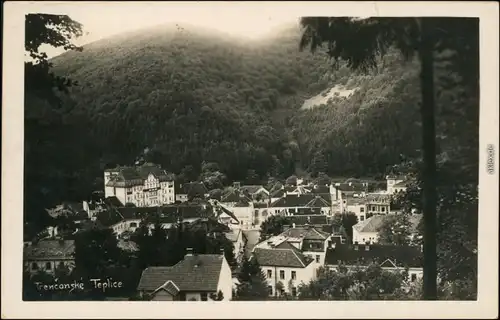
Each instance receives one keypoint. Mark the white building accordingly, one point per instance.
(241, 206)
(367, 230)
(198, 277)
(367, 205)
(312, 242)
(285, 268)
(395, 184)
(144, 186)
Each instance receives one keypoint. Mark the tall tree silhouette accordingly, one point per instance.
(360, 41)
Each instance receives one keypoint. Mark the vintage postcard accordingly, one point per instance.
(250, 160)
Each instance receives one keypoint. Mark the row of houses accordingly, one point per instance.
(149, 185)
(287, 260)
(293, 257)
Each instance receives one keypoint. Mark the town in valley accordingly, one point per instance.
(184, 164)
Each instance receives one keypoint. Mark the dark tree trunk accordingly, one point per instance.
(429, 158)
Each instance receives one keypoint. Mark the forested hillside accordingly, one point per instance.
(190, 96)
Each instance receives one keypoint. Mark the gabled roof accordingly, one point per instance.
(302, 200)
(234, 196)
(196, 273)
(401, 256)
(113, 202)
(170, 287)
(108, 217)
(306, 233)
(374, 223)
(319, 202)
(50, 250)
(193, 189)
(252, 189)
(371, 224)
(321, 189)
(278, 193)
(289, 257)
(226, 211)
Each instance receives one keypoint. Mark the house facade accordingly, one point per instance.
(285, 268)
(367, 230)
(395, 183)
(49, 255)
(377, 204)
(144, 186)
(198, 277)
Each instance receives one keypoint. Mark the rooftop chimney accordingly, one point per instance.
(293, 225)
(189, 252)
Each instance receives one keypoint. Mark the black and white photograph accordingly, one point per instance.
(182, 152)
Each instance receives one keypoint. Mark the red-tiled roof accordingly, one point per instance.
(193, 273)
(234, 196)
(289, 257)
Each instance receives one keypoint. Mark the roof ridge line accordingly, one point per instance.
(298, 257)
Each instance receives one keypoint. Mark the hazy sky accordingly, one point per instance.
(101, 20)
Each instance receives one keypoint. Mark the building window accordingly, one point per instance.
(282, 274)
(294, 291)
(34, 266)
(317, 258)
(373, 208)
(383, 209)
(133, 224)
(269, 273)
(361, 218)
(294, 275)
(48, 266)
(203, 296)
(270, 290)
(413, 277)
(61, 264)
(361, 209)
(182, 297)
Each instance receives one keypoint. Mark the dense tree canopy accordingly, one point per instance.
(215, 109)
